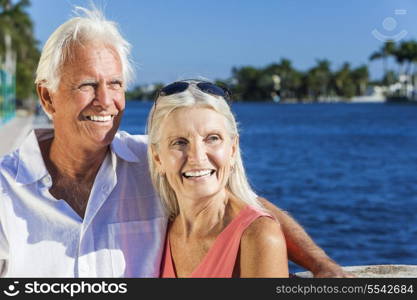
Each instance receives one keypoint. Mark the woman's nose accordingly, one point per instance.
(197, 152)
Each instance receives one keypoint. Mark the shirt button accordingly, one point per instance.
(105, 188)
(46, 180)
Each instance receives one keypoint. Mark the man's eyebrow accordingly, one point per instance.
(88, 80)
(118, 78)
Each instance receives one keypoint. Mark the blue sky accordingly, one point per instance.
(175, 39)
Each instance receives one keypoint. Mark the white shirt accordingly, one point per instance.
(121, 235)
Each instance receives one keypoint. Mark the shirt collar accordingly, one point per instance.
(31, 166)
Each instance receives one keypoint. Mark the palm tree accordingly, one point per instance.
(387, 49)
(290, 78)
(343, 82)
(360, 77)
(16, 23)
(405, 55)
(248, 80)
(318, 80)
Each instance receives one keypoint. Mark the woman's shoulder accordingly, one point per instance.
(263, 229)
(263, 251)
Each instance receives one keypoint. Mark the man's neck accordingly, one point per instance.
(71, 161)
(73, 171)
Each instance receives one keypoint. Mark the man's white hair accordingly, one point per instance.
(87, 26)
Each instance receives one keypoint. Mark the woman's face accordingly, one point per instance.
(195, 152)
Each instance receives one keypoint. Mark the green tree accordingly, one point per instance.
(345, 86)
(360, 78)
(144, 92)
(16, 23)
(405, 54)
(318, 80)
(247, 84)
(387, 49)
(290, 78)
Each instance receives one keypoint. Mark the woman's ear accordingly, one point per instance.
(45, 97)
(235, 145)
(156, 158)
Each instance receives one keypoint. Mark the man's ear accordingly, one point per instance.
(45, 97)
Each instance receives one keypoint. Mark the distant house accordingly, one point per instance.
(373, 94)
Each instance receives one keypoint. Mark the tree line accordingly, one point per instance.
(404, 54)
(284, 82)
(16, 23)
(279, 80)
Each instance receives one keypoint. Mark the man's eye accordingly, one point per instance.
(87, 87)
(116, 85)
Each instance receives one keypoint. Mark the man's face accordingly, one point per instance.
(90, 99)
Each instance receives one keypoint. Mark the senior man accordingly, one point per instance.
(77, 200)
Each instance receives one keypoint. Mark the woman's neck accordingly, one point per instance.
(201, 216)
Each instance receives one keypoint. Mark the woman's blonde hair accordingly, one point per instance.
(237, 183)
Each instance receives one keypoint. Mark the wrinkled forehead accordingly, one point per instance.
(80, 52)
(92, 58)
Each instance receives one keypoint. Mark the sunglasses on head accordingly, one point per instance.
(204, 86)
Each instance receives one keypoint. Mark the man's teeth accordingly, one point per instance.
(100, 118)
(197, 173)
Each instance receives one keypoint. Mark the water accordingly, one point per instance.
(346, 172)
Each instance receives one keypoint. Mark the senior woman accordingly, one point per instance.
(217, 227)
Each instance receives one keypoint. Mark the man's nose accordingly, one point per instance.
(103, 97)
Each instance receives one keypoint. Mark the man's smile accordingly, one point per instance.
(100, 118)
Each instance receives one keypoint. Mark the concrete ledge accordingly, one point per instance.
(376, 271)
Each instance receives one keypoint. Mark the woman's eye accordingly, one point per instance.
(179, 143)
(213, 138)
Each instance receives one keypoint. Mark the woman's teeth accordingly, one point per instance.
(198, 173)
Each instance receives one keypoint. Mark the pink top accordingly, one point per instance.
(221, 258)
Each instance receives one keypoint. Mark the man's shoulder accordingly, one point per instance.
(125, 142)
(133, 138)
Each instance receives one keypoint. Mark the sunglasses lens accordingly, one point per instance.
(210, 88)
(174, 88)
(207, 87)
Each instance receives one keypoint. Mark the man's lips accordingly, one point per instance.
(100, 118)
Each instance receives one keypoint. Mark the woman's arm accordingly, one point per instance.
(263, 251)
(301, 248)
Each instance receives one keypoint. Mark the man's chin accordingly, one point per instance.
(103, 139)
